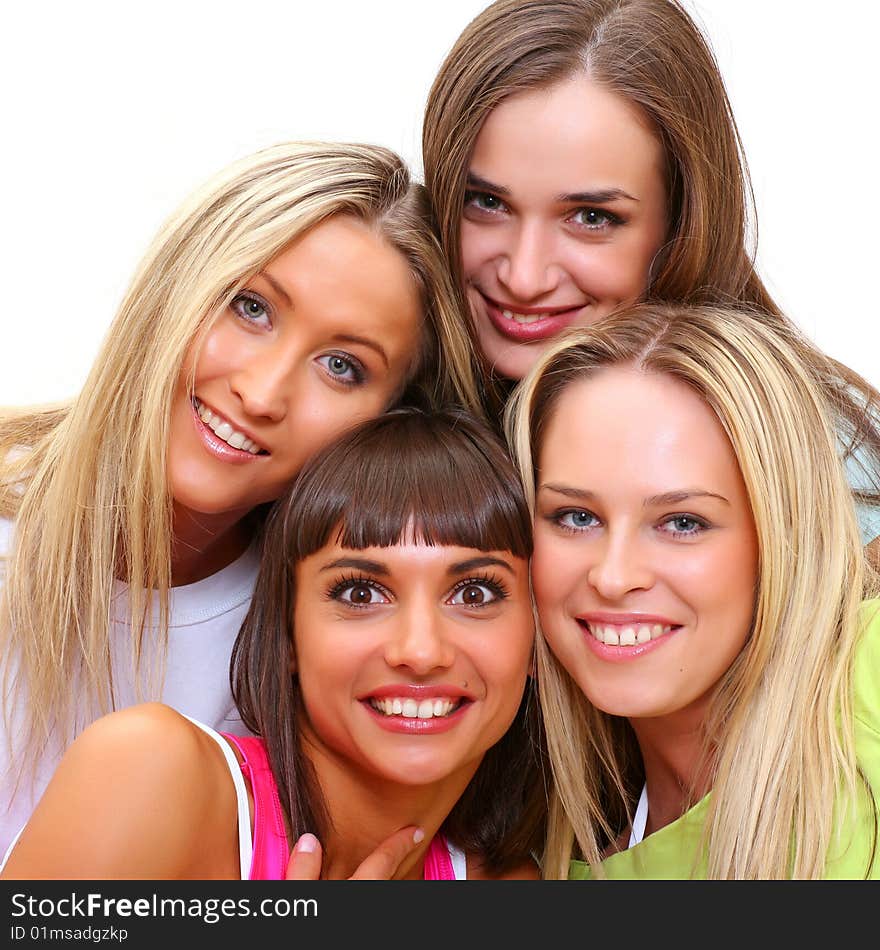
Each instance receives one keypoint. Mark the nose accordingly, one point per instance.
(264, 384)
(419, 641)
(527, 269)
(621, 566)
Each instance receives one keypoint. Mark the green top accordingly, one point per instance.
(671, 852)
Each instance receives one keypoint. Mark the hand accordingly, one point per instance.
(305, 859)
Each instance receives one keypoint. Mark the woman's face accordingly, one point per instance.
(564, 213)
(411, 659)
(323, 338)
(646, 562)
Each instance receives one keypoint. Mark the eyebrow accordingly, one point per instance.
(483, 184)
(363, 341)
(666, 498)
(601, 196)
(376, 567)
(276, 287)
(474, 563)
(358, 563)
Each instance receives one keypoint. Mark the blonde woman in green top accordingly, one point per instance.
(710, 664)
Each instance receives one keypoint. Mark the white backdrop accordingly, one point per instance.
(112, 113)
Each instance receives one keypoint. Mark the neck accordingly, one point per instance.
(677, 772)
(364, 809)
(205, 544)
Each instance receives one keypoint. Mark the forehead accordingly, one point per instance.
(624, 429)
(344, 267)
(567, 137)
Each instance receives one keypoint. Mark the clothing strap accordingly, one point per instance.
(271, 851)
(438, 862)
(245, 845)
(640, 819)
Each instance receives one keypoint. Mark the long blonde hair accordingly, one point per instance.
(653, 55)
(779, 733)
(86, 482)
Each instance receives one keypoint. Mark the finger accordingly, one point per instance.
(305, 860)
(382, 864)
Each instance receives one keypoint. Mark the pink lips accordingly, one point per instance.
(554, 323)
(217, 447)
(415, 726)
(622, 654)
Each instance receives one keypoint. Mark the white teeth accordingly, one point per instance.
(223, 430)
(524, 317)
(629, 635)
(413, 709)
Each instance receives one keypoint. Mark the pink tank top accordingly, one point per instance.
(270, 848)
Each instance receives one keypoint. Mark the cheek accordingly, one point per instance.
(478, 246)
(554, 572)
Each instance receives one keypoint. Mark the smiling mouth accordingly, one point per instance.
(524, 319)
(224, 430)
(628, 634)
(408, 708)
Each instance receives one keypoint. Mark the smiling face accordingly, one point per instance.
(564, 214)
(645, 563)
(411, 659)
(322, 338)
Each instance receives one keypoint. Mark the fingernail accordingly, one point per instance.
(418, 835)
(307, 843)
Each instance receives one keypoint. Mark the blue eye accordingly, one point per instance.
(345, 369)
(684, 526)
(575, 519)
(252, 309)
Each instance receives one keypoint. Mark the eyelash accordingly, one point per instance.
(471, 197)
(342, 584)
(357, 368)
(610, 219)
(700, 523)
(249, 297)
(493, 583)
(347, 582)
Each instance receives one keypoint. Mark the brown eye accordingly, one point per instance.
(477, 593)
(360, 595)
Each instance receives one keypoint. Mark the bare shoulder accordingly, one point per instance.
(134, 797)
(527, 870)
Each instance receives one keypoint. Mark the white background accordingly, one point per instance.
(112, 113)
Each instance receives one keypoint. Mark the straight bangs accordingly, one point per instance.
(439, 478)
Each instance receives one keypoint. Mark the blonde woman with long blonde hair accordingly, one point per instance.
(708, 667)
(297, 293)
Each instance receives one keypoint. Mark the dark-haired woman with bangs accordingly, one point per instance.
(383, 664)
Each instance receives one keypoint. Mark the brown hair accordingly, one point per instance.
(651, 53)
(445, 476)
